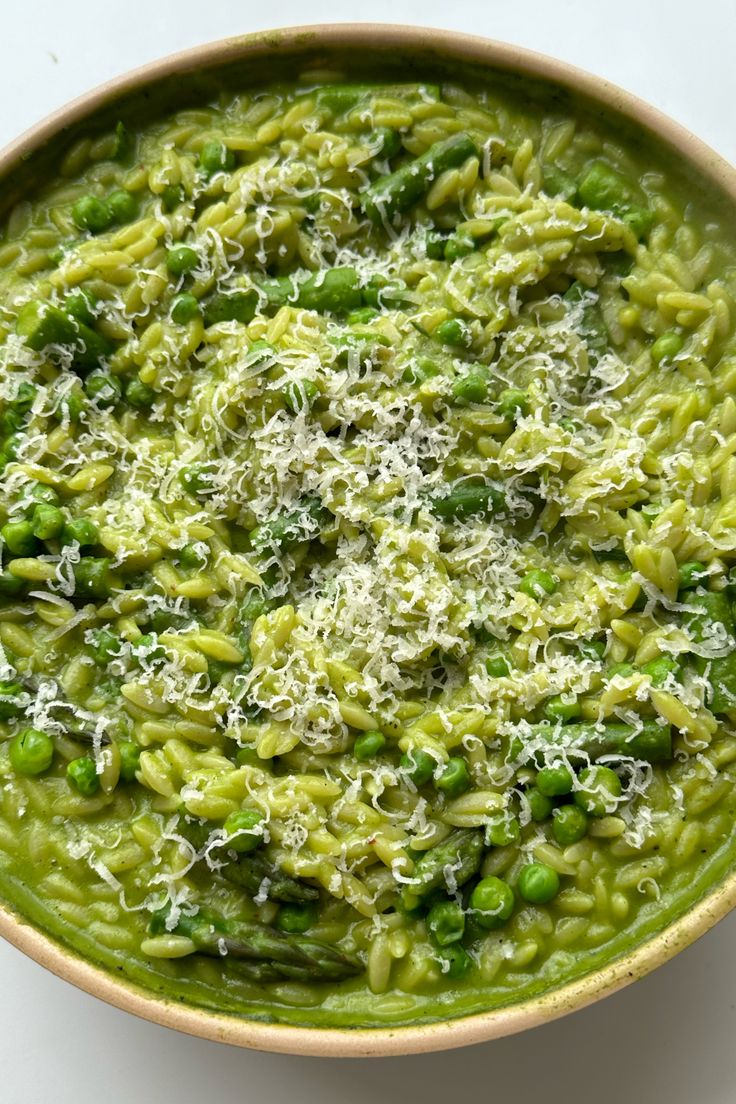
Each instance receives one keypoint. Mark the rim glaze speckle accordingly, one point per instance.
(314, 45)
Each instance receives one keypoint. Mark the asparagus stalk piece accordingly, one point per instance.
(467, 500)
(709, 611)
(276, 954)
(456, 860)
(398, 191)
(652, 742)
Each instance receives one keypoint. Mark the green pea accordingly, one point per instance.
(600, 787)
(184, 308)
(244, 830)
(498, 666)
(82, 776)
(368, 745)
(569, 824)
(603, 188)
(130, 760)
(454, 962)
(555, 781)
(122, 206)
(194, 478)
(296, 919)
(454, 332)
(537, 583)
(105, 646)
(172, 196)
(18, 538)
(666, 347)
(492, 902)
(418, 765)
(10, 584)
(11, 445)
(538, 883)
(299, 395)
(470, 388)
(503, 831)
(139, 395)
(92, 577)
(91, 213)
(41, 492)
(31, 752)
(419, 370)
(146, 649)
(446, 923)
(47, 522)
(660, 669)
(215, 157)
(181, 259)
(691, 574)
(103, 389)
(82, 530)
(540, 806)
(458, 245)
(560, 708)
(512, 404)
(193, 555)
(455, 778)
(10, 706)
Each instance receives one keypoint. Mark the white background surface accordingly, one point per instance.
(670, 1038)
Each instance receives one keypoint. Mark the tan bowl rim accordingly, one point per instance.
(533, 1011)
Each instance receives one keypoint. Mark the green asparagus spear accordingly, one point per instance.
(288, 530)
(393, 194)
(652, 742)
(286, 955)
(455, 860)
(592, 327)
(467, 500)
(339, 98)
(708, 611)
(335, 291)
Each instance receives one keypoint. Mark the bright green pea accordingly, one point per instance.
(244, 830)
(666, 347)
(10, 706)
(560, 708)
(40, 492)
(194, 478)
(296, 919)
(492, 902)
(47, 522)
(91, 213)
(446, 923)
(537, 583)
(454, 332)
(31, 752)
(368, 744)
(538, 883)
(512, 403)
(592, 649)
(299, 395)
(92, 577)
(470, 388)
(215, 157)
(103, 389)
(130, 760)
(691, 574)
(498, 666)
(139, 395)
(455, 778)
(193, 555)
(122, 206)
(184, 308)
(434, 243)
(419, 370)
(600, 787)
(569, 824)
(181, 259)
(503, 831)
(82, 530)
(172, 196)
(418, 765)
(540, 806)
(555, 781)
(454, 962)
(18, 538)
(105, 646)
(146, 648)
(82, 776)
(458, 245)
